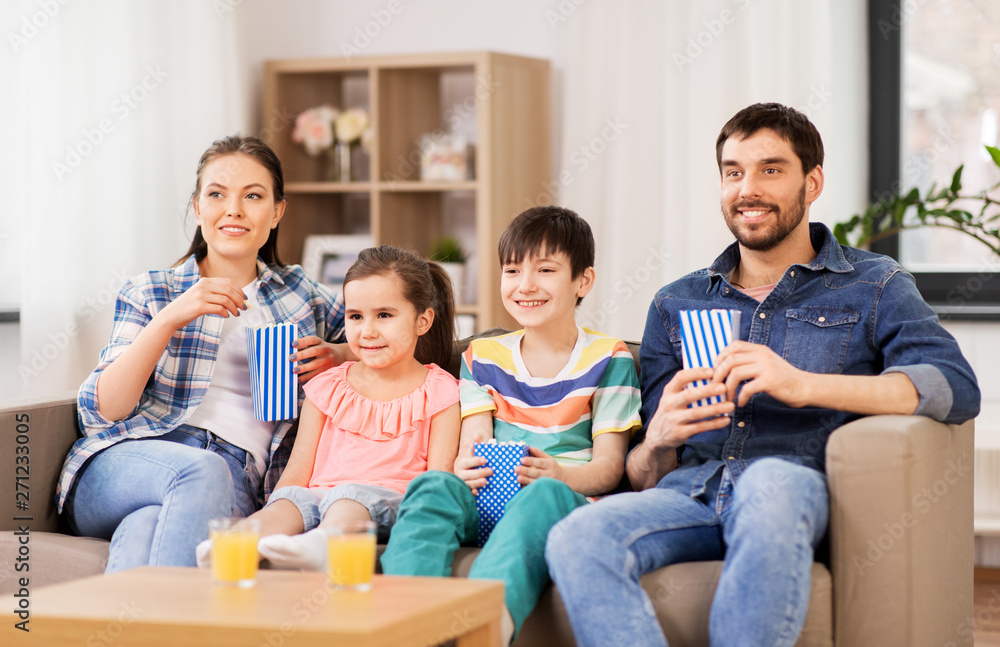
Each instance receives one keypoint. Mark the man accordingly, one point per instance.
(832, 333)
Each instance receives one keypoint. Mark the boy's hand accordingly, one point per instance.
(537, 464)
(470, 469)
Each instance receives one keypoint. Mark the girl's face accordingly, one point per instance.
(382, 326)
(235, 207)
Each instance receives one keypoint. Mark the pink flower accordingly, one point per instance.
(314, 128)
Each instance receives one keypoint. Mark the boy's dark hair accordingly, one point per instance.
(792, 125)
(542, 230)
(425, 285)
(259, 151)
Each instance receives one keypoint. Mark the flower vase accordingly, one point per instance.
(339, 163)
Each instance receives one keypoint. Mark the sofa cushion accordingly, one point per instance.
(54, 558)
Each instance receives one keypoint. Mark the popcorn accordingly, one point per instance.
(704, 333)
(491, 501)
(273, 383)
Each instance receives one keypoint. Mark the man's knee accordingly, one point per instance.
(772, 489)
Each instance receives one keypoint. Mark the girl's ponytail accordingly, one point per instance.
(438, 343)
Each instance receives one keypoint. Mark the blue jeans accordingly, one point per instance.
(153, 497)
(381, 502)
(766, 527)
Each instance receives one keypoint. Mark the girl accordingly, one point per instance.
(169, 435)
(369, 427)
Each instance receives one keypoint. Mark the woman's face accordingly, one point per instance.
(235, 207)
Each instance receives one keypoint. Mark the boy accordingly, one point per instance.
(571, 394)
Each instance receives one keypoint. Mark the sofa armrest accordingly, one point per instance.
(901, 534)
(47, 428)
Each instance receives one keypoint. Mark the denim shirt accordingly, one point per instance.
(847, 311)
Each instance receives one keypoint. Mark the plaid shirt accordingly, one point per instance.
(183, 373)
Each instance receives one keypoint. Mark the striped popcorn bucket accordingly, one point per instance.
(273, 384)
(704, 333)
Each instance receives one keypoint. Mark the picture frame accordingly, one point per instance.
(326, 258)
(444, 157)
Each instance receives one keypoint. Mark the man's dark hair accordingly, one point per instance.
(789, 123)
(543, 230)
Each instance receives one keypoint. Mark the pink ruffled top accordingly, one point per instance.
(375, 442)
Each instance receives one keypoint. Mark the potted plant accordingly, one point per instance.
(447, 251)
(974, 214)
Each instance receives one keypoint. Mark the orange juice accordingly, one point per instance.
(351, 559)
(234, 555)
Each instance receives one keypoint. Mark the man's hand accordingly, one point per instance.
(537, 465)
(763, 371)
(673, 422)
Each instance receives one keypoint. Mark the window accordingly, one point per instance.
(934, 75)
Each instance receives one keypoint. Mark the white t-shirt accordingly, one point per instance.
(227, 409)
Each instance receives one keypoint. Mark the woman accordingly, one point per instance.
(169, 435)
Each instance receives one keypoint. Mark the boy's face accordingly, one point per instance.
(540, 291)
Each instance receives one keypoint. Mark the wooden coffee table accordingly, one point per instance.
(153, 606)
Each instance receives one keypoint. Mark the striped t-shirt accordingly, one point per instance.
(595, 393)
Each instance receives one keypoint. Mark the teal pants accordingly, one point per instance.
(438, 514)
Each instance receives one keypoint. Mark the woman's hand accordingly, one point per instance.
(209, 296)
(315, 356)
(538, 464)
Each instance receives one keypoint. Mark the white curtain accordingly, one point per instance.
(108, 106)
(648, 87)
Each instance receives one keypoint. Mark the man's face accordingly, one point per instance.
(764, 192)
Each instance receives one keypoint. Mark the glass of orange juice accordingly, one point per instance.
(351, 555)
(234, 551)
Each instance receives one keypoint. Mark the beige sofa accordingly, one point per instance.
(901, 538)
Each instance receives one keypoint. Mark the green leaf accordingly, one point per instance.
(898, 209)
(840, 232)
(956, 179)
(994, 153)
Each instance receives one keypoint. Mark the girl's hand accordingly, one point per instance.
(470, 469)
(322, 355)
(209, 296)
(537, 464)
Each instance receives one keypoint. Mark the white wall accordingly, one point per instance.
(303, 28)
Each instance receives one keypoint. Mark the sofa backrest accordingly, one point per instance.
(35, 437)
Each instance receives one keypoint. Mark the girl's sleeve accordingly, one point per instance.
(131, 316)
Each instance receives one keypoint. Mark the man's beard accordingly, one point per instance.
(764, 238)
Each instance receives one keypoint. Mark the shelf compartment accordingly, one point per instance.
(437, 100)
(295, 92)
(321, 213)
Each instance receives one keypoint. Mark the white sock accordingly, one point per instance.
(203, 554)
(506, 627)
(305, 552)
